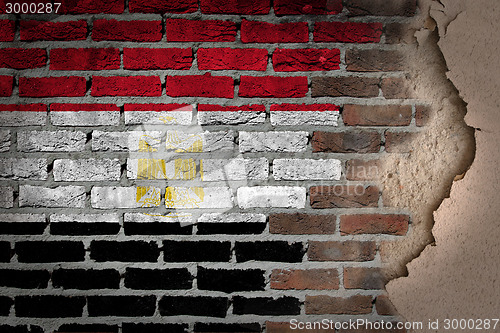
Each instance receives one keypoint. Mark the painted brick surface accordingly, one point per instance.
(59, 197)
(231, 115)
(6, 85)
(273, 141)
(156, 114)
(86, 170)
(84, 114)
(7, 30)
(302, 114)
(50, 141)
(271, 196)
(151, 59)
(91, 59)
(200, 166)
(306, 169)
(53, 31)
(23, 115)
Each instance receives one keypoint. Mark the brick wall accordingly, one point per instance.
(211, 166)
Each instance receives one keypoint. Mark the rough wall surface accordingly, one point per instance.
(213, 167)
(463, 264)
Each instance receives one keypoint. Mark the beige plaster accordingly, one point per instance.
(459, 275)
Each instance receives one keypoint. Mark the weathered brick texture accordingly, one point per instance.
(201, 166)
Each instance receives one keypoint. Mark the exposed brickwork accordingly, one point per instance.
(299, 224)
(322, 279)
(383, 115)
(374, 224)
(348, 142)
(373, 60)
(345, 86)
(353, 305)
(200, 166)
(381, 8)
(343, 196)
(347, 32)
(341, 251)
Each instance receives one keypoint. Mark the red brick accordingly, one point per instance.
(84, 59)
(92, 6)
(24, 107)
(362, 170)
(354, 305)
(377, 115)
(385, 307)
(162, 6)
(363, 278)
(290, 60)
(400, 142)
(341, 251)
(302, 224)
(348, 142)
(345, 86)
(7, 30)
(422, 115)
(129, 31)
(391, 224)
(244, 7)
(181, 30)
(236, 59)
(347, 32)
(83, 107)
(317, 279)
(18, 58)
(151, 59)
(381, 7)
(65, 86)
(54, 31)
(273, 86)
(6, 84)
(200, 86)
(210, 107)
(300, 7)
(375, 60)
(343, 196)
(394, 87)
(263, 32)
(145, 86)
